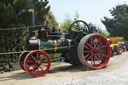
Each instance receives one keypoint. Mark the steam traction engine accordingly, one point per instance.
(79, 47)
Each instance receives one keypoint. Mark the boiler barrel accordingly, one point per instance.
(59, 45)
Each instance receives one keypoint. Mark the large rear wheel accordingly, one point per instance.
(94, 51)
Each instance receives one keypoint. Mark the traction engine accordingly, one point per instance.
(79, 46)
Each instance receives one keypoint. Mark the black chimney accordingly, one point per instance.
(31, 23)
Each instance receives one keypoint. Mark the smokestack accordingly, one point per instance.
(31, 19)
(32, 41)
(31, 23)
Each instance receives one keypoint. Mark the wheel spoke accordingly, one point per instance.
(89, 57)
(98, 42)
(41, 58)
(94, 43)
(89, 45)
(31, 65)
(77, 37)
(103, 46)
(102, 55)
(101, 50)
(34, 69)
(86, 46)
(91, 41)
(92, 60)
(97, 59)
(86, 56)
(41, 68)
(78, 25)
(44, 65)
(86, 51)
(37, 56)
(98, 56)
(99, 45)
(33, 57)
(30, 61)
(37, 69)
(74, 32)
(43, 61)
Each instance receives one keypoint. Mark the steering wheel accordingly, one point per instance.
(77, 30)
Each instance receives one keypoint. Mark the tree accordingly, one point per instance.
(117, 25)
(52, 20)
(67, 22)
(104, 33)
(42, 9)
(76, 16)
(14, 14)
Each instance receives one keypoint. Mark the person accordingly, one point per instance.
(92, 27)
(46, 26)
(53, 29)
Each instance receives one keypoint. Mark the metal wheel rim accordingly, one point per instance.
(36, 68)
(96, 56)
(101, 57)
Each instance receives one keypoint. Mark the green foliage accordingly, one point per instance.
(66, 24)
(41, 10)
(104, 33)
(52, 20)
(13, 13)
(117, 25)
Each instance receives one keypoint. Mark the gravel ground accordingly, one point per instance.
(116, 73)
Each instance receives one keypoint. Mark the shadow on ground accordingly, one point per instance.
(20, 75)
(16, 76)
(69, 68)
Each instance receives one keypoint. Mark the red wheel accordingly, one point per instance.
(37, 63)
(120, 49)
(94, 51)
(21, 59)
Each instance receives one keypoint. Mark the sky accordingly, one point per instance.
(89, 10)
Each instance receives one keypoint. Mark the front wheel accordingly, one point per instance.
(37, 63)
